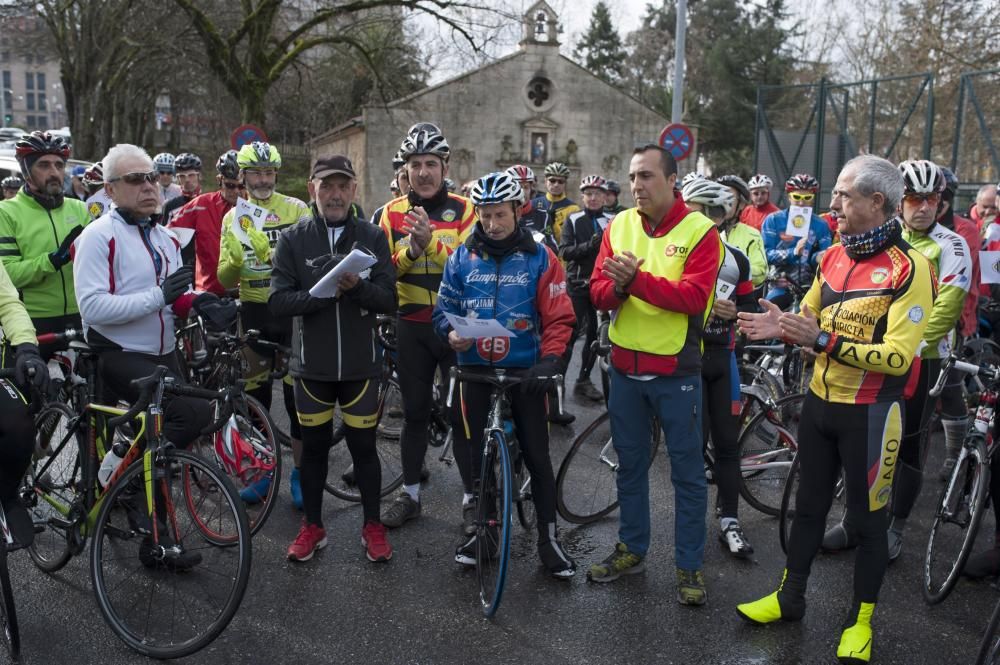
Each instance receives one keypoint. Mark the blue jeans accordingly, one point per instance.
(676, 402)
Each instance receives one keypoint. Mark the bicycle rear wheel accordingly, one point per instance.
(169, 599)
(340, 478)
(766, 447)
(989, 644)
(587, 482)
(52, 486)
(8, 618)
(956, 522)
(493, 522)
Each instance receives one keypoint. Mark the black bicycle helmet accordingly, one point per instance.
(187, 161)
(227, 166)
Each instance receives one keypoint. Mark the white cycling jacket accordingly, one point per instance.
(118, 283)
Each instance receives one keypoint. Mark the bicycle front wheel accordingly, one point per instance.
(170, 595)
(8, 620)
(340, 480)
(766, 447)
(956, 523)
(493, 522)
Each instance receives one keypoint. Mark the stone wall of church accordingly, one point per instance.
(533, 107)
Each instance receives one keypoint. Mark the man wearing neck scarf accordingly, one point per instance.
(865, 317)
(37, 230)
(423, 229)
(334, 359)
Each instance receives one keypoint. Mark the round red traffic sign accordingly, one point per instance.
(677, 139)
(246, 134)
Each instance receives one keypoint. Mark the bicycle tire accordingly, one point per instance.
(8, 620)
(989, 643)
(257, 428)
(787, 513)
(527, 515)
(968, 485)
(113, 547)
(493, 522)
(766, 447)
(586, 484)
(339, 480)
(63, 478)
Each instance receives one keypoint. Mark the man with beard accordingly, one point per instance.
(37, 230)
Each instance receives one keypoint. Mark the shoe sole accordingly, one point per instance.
(563, 574)
(320, 545)
(693, 602)
(746, 554)
(637, 568)
(375, 559)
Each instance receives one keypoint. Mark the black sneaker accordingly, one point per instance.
(402, 510)
(555, 560)
(584, 388)
(465, 554)
(561, 418)
(167, 554)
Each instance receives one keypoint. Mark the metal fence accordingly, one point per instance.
(974, 153)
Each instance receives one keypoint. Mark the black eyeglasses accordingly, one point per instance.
(136, 178)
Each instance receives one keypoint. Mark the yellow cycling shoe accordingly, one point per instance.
(856, 642)
(788, 603)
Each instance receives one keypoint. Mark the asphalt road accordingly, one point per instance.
(422, 608)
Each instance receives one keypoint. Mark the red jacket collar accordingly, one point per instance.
(673, 217)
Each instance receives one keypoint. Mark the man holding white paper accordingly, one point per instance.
(334, 359)
(795, 238)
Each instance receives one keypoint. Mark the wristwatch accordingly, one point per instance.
(822, 341)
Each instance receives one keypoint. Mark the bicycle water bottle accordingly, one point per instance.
(111, 461)
(984, 414)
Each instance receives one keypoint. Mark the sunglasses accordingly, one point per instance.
(916, 199)
(801, 197)
(136, 178)
(234, 185)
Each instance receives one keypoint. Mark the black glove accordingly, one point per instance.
(595, 240)
(61, 256)
(29, 368)
(324, 264)
(176, 284)
(540, 373)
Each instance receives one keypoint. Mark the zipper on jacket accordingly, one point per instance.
(62, 278)
(148, 244)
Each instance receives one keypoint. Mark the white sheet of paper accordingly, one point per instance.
(989, 266)
(724, 289)
(467, 328)
(354, 263)
(247, 213)
(798, 221)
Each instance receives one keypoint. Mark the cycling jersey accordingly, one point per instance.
(949, 255)
(203, 215)
(99, 203)
(417, 279)
(556, 209)
(966, 228)
(749, 241)
(171, 191)
(578, 245)
(733, 283)
(525, 290)
(254, 276)
(877, 308)
(28, 233)
(779, 247)
(173, 206)
(17, 327)
(754, 216)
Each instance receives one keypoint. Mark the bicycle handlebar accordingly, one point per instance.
(70, 335)
(147, 384)
(987, 372)
(500, 379)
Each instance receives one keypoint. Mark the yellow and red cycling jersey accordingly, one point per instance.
(876, 309)
(417, 280)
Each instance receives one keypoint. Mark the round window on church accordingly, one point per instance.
(539, 94)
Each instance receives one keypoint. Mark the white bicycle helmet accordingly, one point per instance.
(710, 193)
(164, 162)
(760, 180)
(594, 182)
(496, 188)
(423, 142)
(921, 176)
(691, 177)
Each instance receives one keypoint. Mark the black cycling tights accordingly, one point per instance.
(469, 415)
(358, 400)
(720, 389)
(586, 322)
(262, 360)
(420, 352)
(864, 440)
(17, 439)
(913, 449)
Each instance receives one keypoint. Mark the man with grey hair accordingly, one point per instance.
(984, 211)
(864, 317)
(131, 285)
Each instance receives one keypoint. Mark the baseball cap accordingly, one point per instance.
(332, 165)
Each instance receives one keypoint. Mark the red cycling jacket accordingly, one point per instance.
(203, 214)
(754, 216)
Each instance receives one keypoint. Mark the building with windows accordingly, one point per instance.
(32, 93)
(532, 106)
